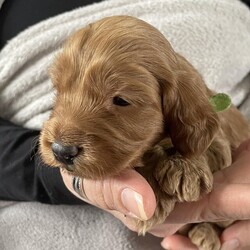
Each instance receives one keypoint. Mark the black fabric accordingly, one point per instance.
(23, 176)
(16, 15)
(247, 2)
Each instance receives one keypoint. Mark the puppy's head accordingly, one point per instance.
(120, 87)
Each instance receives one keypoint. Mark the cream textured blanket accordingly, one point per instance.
(213, 35)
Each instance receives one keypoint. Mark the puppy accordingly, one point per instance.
(126, 99)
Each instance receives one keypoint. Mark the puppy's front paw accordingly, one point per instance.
(183, 178)
(163, 209)
(205, 236)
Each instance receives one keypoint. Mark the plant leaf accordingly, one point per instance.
(220, 102)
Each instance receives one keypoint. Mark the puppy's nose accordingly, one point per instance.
(65, 154)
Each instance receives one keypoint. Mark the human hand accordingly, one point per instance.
(229, 200)
(125, 196)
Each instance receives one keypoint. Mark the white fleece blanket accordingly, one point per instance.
(213, 35)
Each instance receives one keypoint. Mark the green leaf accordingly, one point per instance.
(220, 102)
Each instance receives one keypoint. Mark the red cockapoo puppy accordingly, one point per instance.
(126, 99)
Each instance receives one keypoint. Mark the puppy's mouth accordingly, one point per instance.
(66, 155)
(69, 168)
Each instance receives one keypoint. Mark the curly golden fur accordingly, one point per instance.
(166, 129)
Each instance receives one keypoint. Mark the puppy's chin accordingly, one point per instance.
(92, 172)
(90, 176)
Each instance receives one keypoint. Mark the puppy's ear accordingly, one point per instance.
(189, 118)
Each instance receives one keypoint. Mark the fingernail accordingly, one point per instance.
(230, 245)
(133, 202)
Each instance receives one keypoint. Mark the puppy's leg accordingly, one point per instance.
(165, 204)
(205, 236)
(180, 177)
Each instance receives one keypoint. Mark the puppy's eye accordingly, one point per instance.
(117, 100)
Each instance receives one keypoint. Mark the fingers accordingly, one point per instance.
(238, 172)
(178, 242)
(127, 194)
(236, 236)
(225, 202)
(164, 230)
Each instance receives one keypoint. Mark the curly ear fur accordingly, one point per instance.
(190, 119)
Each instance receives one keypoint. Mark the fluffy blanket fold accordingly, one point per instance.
(213, 35)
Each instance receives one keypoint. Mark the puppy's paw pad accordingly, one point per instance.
(205, 237)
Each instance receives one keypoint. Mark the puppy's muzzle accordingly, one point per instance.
(65, 154)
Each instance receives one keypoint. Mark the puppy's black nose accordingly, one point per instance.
(65, 154)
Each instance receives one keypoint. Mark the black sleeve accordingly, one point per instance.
(17, 15)
(23, 176)
(247, 2)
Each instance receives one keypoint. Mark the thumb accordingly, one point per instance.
(236, 236)
(128, 194)
(244, 147)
